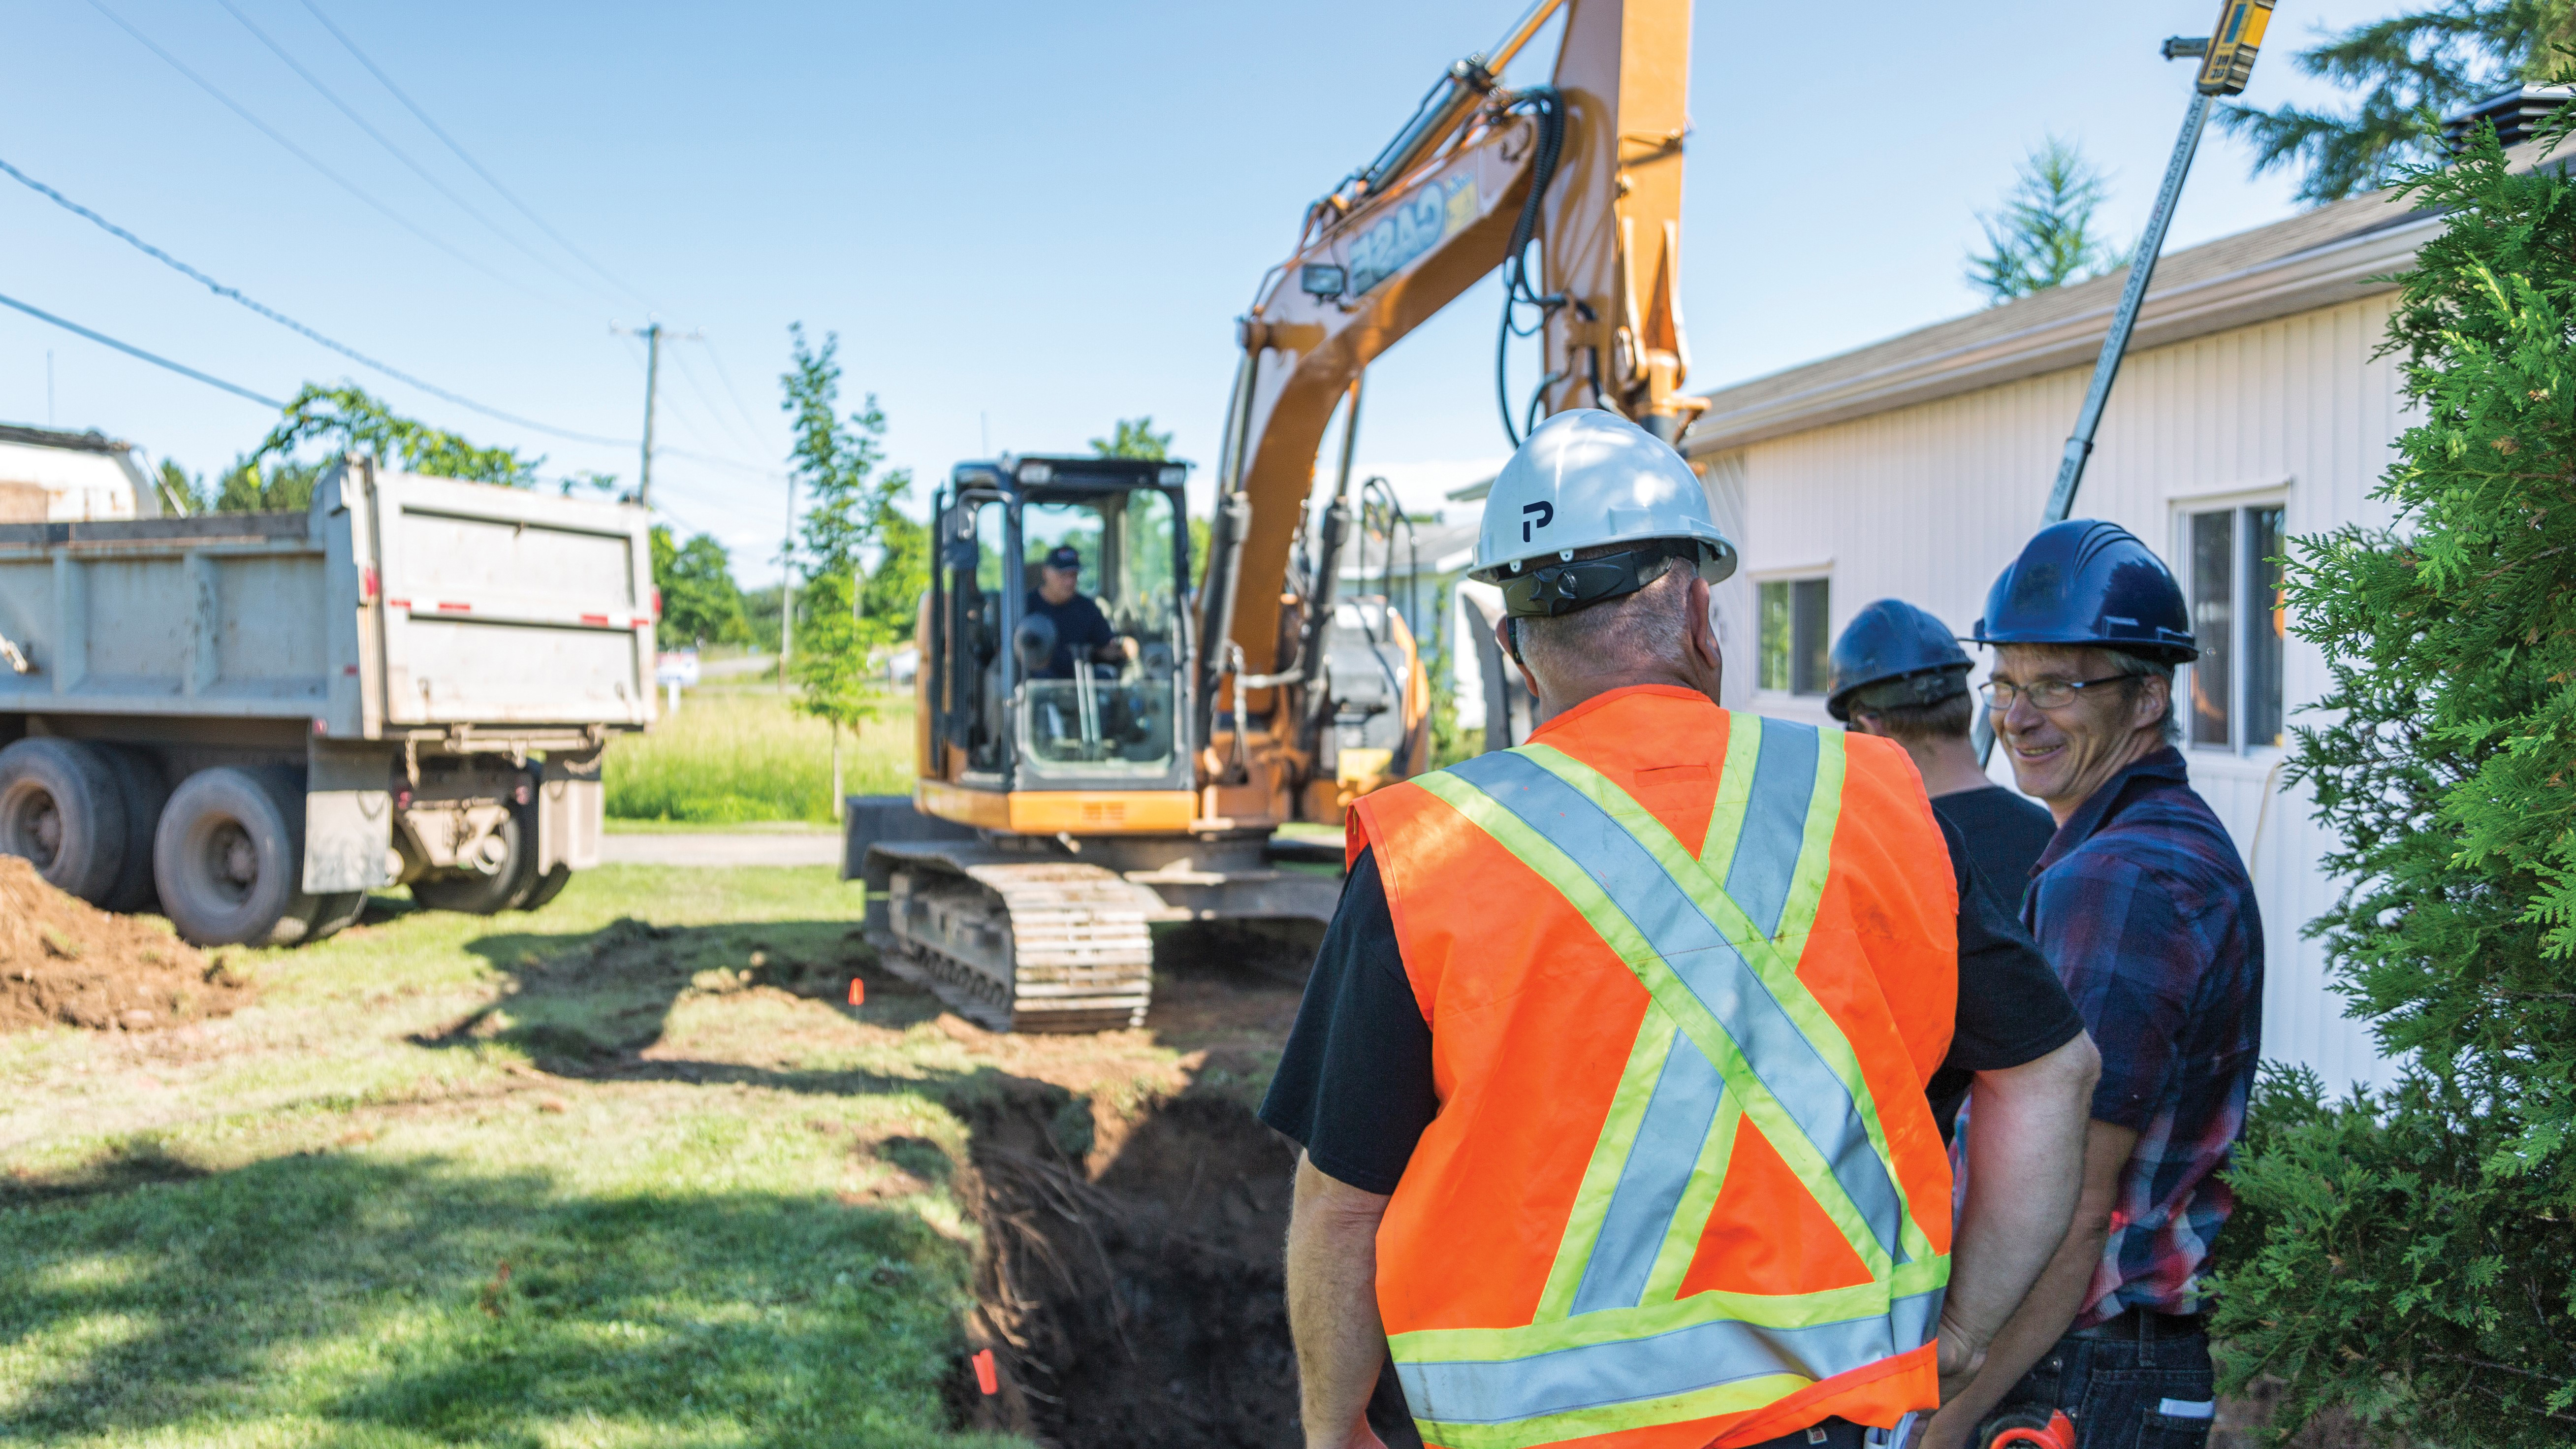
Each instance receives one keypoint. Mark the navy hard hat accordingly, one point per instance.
(1893, 653)
(2086, 582)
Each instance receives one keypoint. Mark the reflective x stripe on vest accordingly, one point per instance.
(1731, 1033)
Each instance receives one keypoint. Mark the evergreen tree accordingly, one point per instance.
(2043, 236)
(2415, 1258)
(2410, 69)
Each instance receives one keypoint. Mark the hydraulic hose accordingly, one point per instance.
(1548, 107)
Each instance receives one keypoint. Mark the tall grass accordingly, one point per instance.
(742, 754)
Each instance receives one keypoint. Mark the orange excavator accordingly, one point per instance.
(1100, 747)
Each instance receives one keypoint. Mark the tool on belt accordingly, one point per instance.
(2035, 1428)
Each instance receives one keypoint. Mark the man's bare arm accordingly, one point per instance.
(1332, 1306)
(2054, 1300)
(2025, 1162)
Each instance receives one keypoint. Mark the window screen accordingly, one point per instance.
(1796, 618)
(2213, 613)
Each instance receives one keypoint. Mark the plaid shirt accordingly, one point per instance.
(2144, 908)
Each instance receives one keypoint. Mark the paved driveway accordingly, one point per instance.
(723, 848)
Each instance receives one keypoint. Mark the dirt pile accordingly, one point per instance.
(64, 960)
(1131, 1291)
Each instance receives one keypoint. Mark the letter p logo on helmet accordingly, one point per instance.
(1546, 515)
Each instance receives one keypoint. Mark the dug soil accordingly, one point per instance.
(1131, 1294)
(66, 962)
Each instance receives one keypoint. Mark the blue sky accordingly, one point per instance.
(1024, 221)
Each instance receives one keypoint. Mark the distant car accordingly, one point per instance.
(903, 664)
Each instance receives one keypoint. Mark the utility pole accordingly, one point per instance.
(651, 332)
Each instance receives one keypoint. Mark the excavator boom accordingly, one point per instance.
(1439, 209)
(1065, 803)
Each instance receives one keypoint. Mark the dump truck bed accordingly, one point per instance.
(395, 606)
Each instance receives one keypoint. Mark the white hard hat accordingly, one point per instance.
(1583, 479)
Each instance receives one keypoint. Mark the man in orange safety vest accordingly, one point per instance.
(1611, 1076)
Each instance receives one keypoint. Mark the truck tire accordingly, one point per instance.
(335, 913)
(61, 808)
(229, 860)
(147, 794)
(548, 886)
(471, 892)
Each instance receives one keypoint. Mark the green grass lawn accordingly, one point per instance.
(740, 753)
(562, 1179)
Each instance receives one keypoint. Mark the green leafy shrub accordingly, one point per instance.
(2411, 1254)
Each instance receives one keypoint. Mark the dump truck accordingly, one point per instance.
(250, 720)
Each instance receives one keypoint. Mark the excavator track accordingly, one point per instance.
(1043, 946)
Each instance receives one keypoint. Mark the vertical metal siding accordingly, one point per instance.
(1928, 503)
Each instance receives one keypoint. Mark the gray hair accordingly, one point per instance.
(2134, 666)
(1639, 630)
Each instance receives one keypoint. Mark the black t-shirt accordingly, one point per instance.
(2005, 834)
(1080, 628)
(1354, 1085)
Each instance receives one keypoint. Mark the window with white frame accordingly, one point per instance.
(2231, 570)
(1794, 615)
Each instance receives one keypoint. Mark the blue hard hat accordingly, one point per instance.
(2086, 582)
(1895, 645)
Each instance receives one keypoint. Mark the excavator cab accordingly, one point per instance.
(1082, 695)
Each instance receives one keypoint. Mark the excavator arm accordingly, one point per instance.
(1447, 202)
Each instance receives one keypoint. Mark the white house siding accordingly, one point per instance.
(1929, 502)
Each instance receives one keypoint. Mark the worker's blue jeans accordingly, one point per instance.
(2126, 1390)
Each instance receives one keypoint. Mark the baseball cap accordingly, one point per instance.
(1062, 556)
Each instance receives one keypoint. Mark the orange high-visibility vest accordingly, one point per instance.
(1687, 972)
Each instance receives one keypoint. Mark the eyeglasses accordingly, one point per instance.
(1999, 694)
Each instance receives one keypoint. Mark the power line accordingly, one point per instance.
(772, 475)
(488, 178)
(131, 350)
(361, 122)
(689, 374)
(336, 179)
(281, 319)
(726, 377)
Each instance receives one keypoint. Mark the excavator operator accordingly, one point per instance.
(1611, 1076)
(1082, 632)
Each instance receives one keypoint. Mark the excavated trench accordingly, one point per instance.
(1129, 1288)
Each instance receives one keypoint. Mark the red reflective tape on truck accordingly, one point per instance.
(367, 585)
(600, 619)
(397, 603)
(447, 607)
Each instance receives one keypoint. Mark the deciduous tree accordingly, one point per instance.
(836, 460)
(701, 603)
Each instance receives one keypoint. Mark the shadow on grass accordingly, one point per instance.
(587, 1003)
(474, 1308)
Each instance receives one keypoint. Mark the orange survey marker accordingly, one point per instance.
(989, 1379)
(859, 997)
